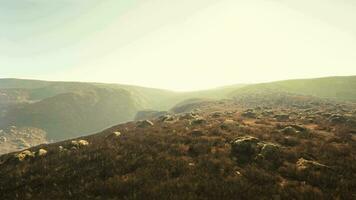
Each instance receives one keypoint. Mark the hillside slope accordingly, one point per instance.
(70, 115)
(70, 109)
(304, 149)
(338, 88)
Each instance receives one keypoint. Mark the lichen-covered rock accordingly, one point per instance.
(79, 143)
(303, 165)
(41, 152)
(244, 148)
(270, 151)
(24, 155)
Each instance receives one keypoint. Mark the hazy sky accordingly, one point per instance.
(177, 44)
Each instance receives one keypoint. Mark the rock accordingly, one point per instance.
(62, 149)
(167, 118)
(337, 119)
(216, 114)
(244, 148)
(24, 155)
(41, 152)
(188, 116)
(117, 133)
(282, 117)
(270, 151)
(228, 123)
(198, 121)
(303, 164)
(81, 143)
(249, 114)
(290, 141)
(299, 128)
(3, 139)
(289, 130)
(144, 124)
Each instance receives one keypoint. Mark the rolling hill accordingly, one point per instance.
(70, 109)
(337, 88)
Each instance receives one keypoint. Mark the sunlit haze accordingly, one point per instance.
(178, 45)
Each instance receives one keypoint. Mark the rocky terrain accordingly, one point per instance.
(258, 146)
(15, 139)
(71, 109)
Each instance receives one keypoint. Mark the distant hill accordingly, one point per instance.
(338, 88)
(70, 109)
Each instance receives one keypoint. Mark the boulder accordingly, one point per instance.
(144, 124)
(24, 155)
(41, 152)
(249, 114)
(244, 148)
(117, 133)
(79, 143)
(289, 130)
(270, 151)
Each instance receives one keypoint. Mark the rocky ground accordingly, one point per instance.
(272, 147)
(14, 138)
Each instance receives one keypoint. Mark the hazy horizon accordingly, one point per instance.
(182, 46)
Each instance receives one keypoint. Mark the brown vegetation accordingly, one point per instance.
(216, 153)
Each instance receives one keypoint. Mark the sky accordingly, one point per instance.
(179, 45)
